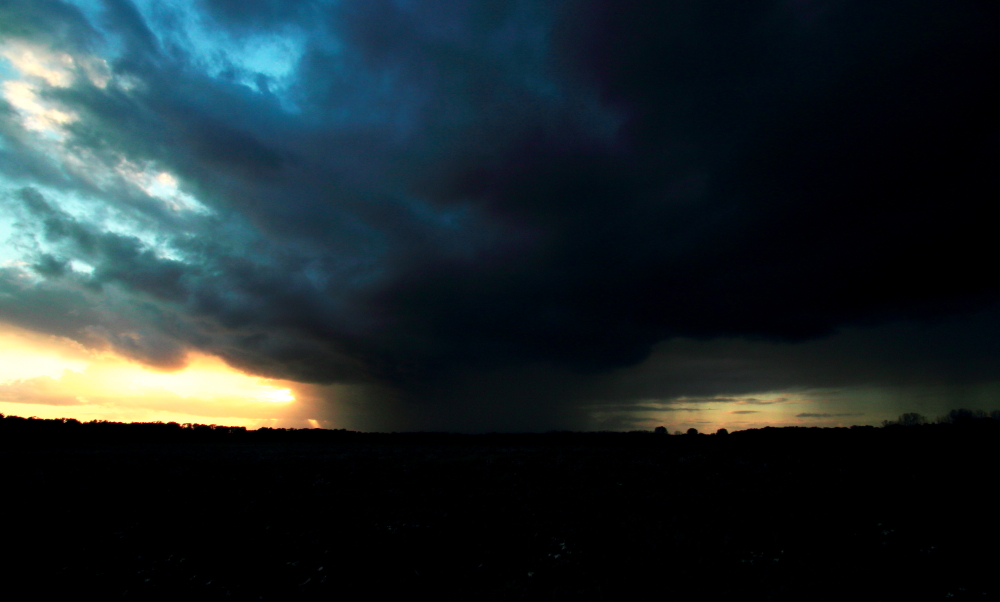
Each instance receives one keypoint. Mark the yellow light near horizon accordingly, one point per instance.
(86, 413)
(16, 364)
(278, 396)
(25, 354)
(49, 376)
(205, 377)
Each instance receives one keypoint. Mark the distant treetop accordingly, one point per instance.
(959, 416)
(908, 419)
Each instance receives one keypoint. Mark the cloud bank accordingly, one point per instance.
(493, 214)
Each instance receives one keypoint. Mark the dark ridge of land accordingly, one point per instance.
(17, 430)
(786, 514)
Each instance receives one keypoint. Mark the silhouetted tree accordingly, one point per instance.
(722, 432)
(911, 419)
(692, 431)
(962, 416)
(660, 430)
(908, 419)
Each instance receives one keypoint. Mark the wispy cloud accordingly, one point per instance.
(762, 402)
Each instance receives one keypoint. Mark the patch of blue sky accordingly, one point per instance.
(7, 70)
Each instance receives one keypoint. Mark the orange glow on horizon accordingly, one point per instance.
(53, 377)
(708, 414)
(204, 377)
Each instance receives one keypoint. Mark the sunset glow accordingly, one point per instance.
(47, 376)
(205, 377)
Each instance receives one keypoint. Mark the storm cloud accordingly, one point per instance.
(498, 212)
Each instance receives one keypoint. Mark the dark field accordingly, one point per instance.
(862, 514)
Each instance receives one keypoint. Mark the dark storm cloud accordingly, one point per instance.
(445, 190)
(139, 331)
(117, 258)
(773, 178)
(641, 407)
(261, 317)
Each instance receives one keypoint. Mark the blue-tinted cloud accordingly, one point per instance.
(419, 194)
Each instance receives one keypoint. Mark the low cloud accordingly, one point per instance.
(762, 402)
(39, 390)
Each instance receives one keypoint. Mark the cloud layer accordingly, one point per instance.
(488, 207)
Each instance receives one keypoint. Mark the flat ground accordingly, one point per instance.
(687, 517)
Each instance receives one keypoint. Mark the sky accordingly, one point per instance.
(499, 215)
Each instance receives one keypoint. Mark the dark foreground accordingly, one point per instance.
(864, 514)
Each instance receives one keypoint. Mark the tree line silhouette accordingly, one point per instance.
(17, 429)
(959, 416)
